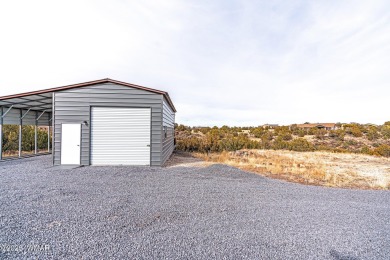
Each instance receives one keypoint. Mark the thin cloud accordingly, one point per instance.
(223, 62)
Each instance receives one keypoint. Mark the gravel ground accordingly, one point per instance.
(214, 212)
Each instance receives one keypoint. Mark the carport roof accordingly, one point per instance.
(42, 99)
(39, 102)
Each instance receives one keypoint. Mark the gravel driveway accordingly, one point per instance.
(213, 212)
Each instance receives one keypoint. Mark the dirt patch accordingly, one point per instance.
(314, 168)
(185, 159)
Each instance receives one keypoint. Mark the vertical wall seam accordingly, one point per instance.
(53, 148)
(1, 133)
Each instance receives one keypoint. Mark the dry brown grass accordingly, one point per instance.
(314, 168)
(16, 153)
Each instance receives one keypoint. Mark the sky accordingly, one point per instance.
(223, 62)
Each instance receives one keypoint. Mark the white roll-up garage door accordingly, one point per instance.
(120, 136)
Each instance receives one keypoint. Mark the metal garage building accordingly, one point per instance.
(102, 122)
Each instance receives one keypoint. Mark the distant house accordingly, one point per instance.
(371, 125)
(326, 126)
(270, 126)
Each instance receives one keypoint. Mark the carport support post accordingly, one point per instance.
(20, 132)
(48, 139)
(1, 133)
(48, 132)
(36, 133)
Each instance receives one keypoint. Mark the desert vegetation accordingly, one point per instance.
(349, 138)
(11, 143)
(313, 168)
(353, 156)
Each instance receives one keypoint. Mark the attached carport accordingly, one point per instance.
(26, 109)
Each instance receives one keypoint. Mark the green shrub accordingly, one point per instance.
(337, 134)
(354, 130)
(301, 133)
(265, 144)
(383, 150)
(267, 136)
(301, 145)
(237, 143)
(282, 130)
(294, 129)
(189, 144)
(320, 134)
(372, 134)
(366, 150)
(280, 144)
(312, 131)
(257, 132)
(385, 131)
(351, 142)
(286, 136)
(181, 127)
(11, 138)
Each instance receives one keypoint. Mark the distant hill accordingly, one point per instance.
(343, 138)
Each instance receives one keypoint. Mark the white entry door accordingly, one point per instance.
(70, 144)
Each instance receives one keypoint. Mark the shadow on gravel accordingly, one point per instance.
(338, 256)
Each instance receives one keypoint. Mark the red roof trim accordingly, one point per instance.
(89, 83)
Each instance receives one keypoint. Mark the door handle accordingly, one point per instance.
(148, 145)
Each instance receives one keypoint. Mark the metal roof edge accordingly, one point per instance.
(89, 83)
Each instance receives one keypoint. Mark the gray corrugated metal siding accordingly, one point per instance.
(13, 117)
(74, 105)
(168, 118)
